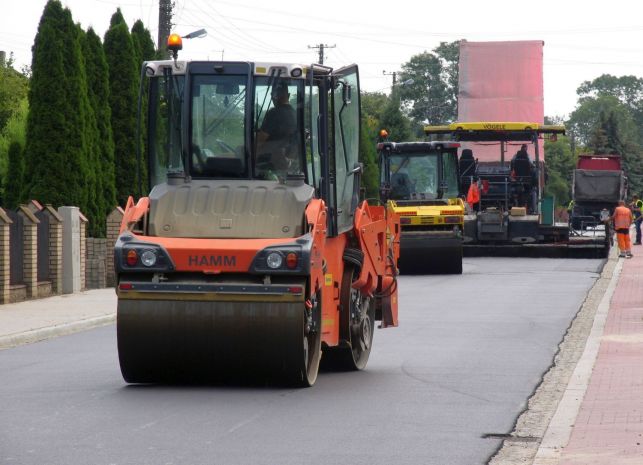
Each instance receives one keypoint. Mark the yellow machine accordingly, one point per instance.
(420, 181)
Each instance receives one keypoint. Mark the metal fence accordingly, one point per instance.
(16, 248)
(43, 246)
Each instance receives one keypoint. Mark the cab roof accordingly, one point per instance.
(417, 147)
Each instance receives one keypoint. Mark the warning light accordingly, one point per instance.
(174, 42)
(383, 133)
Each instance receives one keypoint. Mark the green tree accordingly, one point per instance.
(14, 178)
(603, 123)
(560, 162)
(368, 157)
(98, 95)
(372, 104)
(57, 145)
(432, 97)
(123, 91)
(145, 51)
(14, 132)
(393, 120)
(13, 89)
(143, 43)
(628, 90)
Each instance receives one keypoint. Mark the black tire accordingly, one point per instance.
(352, 354)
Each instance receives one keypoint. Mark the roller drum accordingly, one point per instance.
(195, 341)
(423, 254)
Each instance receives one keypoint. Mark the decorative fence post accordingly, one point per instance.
(71, 249)
(30, 256)
(55, 249)
(114, 220)
(4, 258)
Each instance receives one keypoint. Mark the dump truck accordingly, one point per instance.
(598, 184)
(509, 214)
(252, 254)
(420, 182)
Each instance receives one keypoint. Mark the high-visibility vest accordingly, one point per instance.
(473, 196)
(622, 218)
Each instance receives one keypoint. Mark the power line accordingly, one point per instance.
(321, 48)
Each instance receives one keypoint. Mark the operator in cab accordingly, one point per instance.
(277, 137)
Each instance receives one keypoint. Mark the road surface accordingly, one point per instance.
(439, 389)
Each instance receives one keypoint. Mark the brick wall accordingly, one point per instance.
(30, 256)
(95, 276)
(113, 228)
(4, 257)
(55, 250)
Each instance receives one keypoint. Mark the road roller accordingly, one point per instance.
(252, 256)
(420, 182)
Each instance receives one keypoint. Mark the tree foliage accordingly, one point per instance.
(57, 140)
(14, 178)
(103, 144)
(123, 91)
(143, 43)
(609, 119)
(433, 96)
(560, 162)
(13, 89)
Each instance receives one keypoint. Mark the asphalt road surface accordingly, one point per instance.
(467, 355)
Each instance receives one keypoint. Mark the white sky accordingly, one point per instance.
(583, 38)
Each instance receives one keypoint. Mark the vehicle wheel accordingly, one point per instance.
(353, 353)
(311, 343)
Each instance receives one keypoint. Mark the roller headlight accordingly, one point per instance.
(274, 260)
(148, 258)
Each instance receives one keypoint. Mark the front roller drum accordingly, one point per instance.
(178, 341)
(430, 255)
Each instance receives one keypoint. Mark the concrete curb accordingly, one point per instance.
(40, 334)
(560, 428)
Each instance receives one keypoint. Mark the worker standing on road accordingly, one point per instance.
(637, 206)
(622, 219)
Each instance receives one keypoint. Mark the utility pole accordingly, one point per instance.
(394, 74)
(321, 48)
(165, 24)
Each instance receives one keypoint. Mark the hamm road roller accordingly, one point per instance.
(252, 256)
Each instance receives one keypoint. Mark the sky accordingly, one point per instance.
(583, 38)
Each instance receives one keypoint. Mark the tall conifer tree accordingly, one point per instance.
(144, 48)
(56, 141)
(98, 87)
(123, 91)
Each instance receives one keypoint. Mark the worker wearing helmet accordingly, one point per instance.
(622, 219)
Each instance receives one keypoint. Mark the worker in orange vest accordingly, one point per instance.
(622, 219)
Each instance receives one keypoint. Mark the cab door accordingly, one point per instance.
(346, 137)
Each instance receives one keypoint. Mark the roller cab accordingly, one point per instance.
(419, 181)
(252, 256)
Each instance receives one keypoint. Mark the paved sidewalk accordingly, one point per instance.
(38, 319)
(609, 427)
